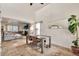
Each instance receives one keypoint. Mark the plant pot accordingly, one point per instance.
(75, 50)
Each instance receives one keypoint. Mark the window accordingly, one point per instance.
(37, 28)
(12, 28)
(9, 28)
(15, 28)
(32, 29)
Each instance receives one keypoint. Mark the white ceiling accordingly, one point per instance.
(58, 13)
(20, 11)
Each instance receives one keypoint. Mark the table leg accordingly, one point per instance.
(42, 46)
(49, 42)
(27, 37)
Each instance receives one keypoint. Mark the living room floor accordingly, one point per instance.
(18, 47)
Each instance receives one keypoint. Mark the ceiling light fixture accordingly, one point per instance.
(32, 4)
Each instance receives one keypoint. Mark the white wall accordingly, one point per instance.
(0, 28)
(0, 25)
(57, 14)
(0, 32)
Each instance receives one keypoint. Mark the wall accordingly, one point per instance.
(57, 14)
(0, 31)
(0, 28)
(0, 24)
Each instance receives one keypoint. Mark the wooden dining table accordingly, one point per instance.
(41, 41)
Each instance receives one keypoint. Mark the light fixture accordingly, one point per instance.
(32, 4)
(54, 26)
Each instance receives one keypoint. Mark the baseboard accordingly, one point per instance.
(68, 49)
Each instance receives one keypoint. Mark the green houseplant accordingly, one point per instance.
(73, 28)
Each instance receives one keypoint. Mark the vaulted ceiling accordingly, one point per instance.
(20, 11)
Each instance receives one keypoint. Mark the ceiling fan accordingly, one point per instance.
(32, 4)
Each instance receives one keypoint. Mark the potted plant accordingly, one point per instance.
(73, 28)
